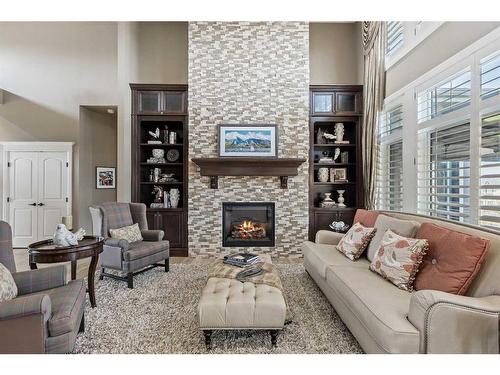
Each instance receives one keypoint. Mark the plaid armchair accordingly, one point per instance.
(47, 314)
(118, 254)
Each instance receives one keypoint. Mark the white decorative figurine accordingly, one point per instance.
(336, 154)
(63, 237)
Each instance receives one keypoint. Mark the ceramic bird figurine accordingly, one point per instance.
(156, 134)
(63, 237)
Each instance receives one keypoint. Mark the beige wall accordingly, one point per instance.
(335, 56)
(446, 41)
(48, 70)
(98, 147)
(163, 52)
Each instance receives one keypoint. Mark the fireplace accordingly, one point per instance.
(247, 224)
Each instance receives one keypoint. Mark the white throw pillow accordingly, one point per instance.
(355, 241)
(8, 287)
(398, 259)
(405, 228)
(132, 233)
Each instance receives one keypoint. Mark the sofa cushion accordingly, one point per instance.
(378, 305)
(405, 228)
(67, 301)
(365, 217)
(320, 256)
(355, 241)
(453, 260)
(398, 259)
(130, 233)
(142, 249)
(8, 287)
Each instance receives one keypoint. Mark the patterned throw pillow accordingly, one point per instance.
(132, 233)
(8, 287)
(355, 241)
(398, 259)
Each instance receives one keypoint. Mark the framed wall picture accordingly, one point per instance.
(248, 140)
(105, 177)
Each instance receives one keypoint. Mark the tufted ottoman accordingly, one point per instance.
(231, 304)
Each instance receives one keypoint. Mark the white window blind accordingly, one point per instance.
(489, 205)
(390, 177)
(444, 173)
(391, 120)
(490, 76)
(395, 36)
(448, 96)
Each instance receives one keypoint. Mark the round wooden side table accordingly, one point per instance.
(46, 252)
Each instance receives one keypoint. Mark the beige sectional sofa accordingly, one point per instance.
(385, 319)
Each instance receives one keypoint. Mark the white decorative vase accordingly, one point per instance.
(340, 199)
(328, 202)
(339, 132)
(323, 174)
(158, 153)
(174, 197)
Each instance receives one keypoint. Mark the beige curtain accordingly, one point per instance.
(374, 46)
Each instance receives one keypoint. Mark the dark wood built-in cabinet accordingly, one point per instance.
(330, 105)
(161, 106)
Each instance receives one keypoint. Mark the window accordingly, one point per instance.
(490, 76)
(391, 120)
(402, 37)
(390, 195)
(394, 36)
(489, 204)
(444, 173)
(448, 96)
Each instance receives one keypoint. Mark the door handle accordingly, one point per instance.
(41, 204)
(32, 204)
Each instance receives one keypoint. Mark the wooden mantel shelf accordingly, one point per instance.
(245, 166)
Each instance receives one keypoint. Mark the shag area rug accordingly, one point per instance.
(159, 316)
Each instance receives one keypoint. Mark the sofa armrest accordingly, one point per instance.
(327, 237)
(41, 279)
(26, 305)
(152, 235)
(449, 323)
(117, 242)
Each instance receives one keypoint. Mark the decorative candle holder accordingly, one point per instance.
(341, 199)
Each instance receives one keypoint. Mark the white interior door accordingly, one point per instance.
(52, 191)
(23, 197)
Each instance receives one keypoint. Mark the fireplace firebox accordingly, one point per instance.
(247, 224)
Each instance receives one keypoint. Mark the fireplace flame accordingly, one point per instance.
(249, 230)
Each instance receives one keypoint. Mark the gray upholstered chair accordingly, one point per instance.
(47, 314)
(118, 254)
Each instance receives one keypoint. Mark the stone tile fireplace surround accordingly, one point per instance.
(245, 72)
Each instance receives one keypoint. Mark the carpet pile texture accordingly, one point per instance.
(158, 316)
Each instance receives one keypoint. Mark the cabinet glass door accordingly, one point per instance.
(173, 102)
(150, 102)
(346, 103)
(323, 103)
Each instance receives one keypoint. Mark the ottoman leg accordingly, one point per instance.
(208, 338)
(274, 337)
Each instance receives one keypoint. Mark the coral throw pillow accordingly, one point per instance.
(355, 241)
(365, 217)
(8, 287)
(453, 260)
(398, 259)
(132, 233)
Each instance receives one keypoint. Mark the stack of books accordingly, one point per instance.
(241, 259)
